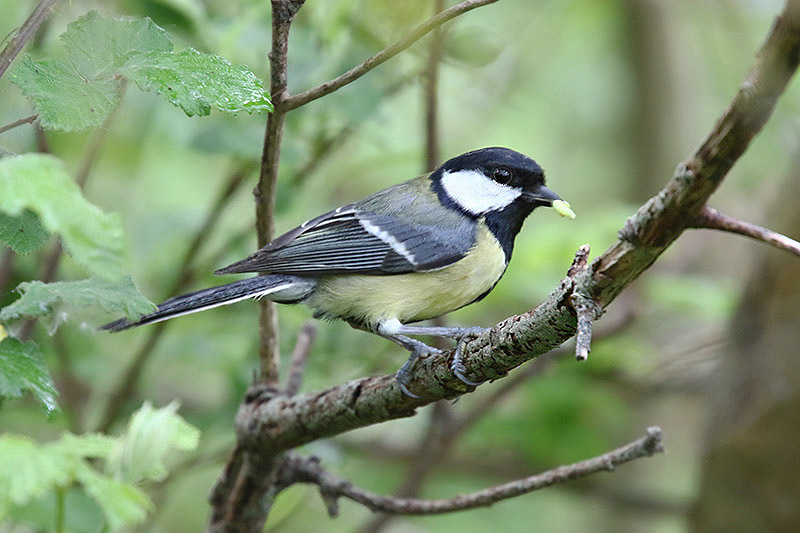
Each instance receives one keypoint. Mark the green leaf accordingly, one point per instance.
(195, 82)
(99, 46)
(88, 445)
(23, 233)
(28, 470)
(122, 503)
(22, 368)
(62, 97)
(113, 297)
(80, 90)
(152, 434)
(40, 183)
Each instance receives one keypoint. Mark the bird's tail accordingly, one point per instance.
(277, 287)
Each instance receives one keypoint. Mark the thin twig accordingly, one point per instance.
(283, 12)
(587, 312)
(6, 269)
(297, 364)
(25, 33)
(332, 486)
(431, 88)
(20, 122)
(353, 74)
(710, 218)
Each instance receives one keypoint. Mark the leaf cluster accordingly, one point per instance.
(109, 469)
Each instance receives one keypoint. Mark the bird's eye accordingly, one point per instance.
(502, 175)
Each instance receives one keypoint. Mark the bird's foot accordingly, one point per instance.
(457, 364)
(403, 376)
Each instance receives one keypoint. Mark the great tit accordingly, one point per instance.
(410, 252)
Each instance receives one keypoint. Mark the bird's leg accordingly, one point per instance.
(418, 349)
(453, 332)
(449, 332)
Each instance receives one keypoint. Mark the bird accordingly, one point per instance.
(411, 252)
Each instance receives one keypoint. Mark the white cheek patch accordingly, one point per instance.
(477, 193)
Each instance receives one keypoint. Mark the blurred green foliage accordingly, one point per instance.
(32, 473)
(556, 80)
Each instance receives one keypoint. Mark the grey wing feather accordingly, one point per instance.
(339, 242)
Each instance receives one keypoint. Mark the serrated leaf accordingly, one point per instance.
(113, 297)
(22, 233)
(22, 368)
(197, 82)
(62, 97)
(151, 435)
(122, 503)
(40, 183)
(81, 90)
(98, 46)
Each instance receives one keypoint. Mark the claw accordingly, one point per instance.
(403, 376)
(457, 365)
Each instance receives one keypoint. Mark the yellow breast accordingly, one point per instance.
(413, 296)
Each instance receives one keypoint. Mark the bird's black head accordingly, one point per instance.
(491, 179)
(499, 184)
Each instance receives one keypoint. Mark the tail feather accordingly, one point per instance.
(277, 287)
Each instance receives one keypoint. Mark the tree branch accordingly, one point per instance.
(271, 423)
(710, 218)
(26, 120)
(297, 364)
(384, 55)
(283, 12)
(333, 487)
(25, 33)
(586, 310)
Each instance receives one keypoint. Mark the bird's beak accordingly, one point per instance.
(541, 195)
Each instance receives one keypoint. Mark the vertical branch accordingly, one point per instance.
(431, 81)
(25, 33)
(6, 269)
(283, 12)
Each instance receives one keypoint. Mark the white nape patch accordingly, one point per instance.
(389, 239)
(391, 326)
(476, 192)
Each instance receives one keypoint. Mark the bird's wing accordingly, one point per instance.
(356, 241)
